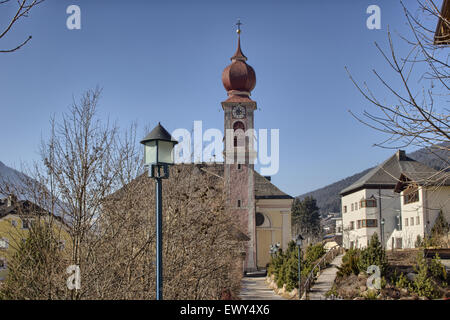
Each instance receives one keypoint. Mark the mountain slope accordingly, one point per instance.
(328, 199)
(11, 176)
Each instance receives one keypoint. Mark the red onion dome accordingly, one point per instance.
(239, 76)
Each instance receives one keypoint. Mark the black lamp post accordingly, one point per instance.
(298, 242)
(382, 232)
(158, 155)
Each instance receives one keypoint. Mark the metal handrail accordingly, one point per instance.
(333, 252)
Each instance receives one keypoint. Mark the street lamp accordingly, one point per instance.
(298, 242)
(274, 249)
(158, 155)
(382, 232)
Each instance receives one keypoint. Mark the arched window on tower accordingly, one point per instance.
(238, 125)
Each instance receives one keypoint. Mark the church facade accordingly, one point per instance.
(263, 210)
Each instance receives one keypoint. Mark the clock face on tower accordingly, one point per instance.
(238, 112)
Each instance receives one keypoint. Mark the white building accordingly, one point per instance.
(423, 195)
(338, 226)
(374, 204)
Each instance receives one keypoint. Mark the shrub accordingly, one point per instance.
(437, 269)
(285, 266)
(374, 254)
(313, 253)
(372, 294)
(332, 293)
(422, 284)
(38, 262)
(275, 264)
(291, 272)
(419, 243)
(383, 282)
(280, 278)
(350, 263)
(401, 281)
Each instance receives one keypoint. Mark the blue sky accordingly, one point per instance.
(162, 61)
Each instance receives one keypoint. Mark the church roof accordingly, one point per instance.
(387, 174)
(264, 189)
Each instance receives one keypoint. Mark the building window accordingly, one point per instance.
(4, 244)
(410, 196)
(412, 221)
(238, 125)
(352, 225)
(358, 224)
(369, 203)
(367, 223)
(239, 166)
(3, 264)
(344, 209)
(406, 222)
(26, 224)
(352, 206)
(239, 203)
(371, 223)
(417, 220)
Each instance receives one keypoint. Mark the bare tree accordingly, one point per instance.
(23, 10)
(91, 177)
(419, 114)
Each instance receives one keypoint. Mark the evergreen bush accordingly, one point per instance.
(374, 254)
(437, 269)
(422, 284)
(350, 263)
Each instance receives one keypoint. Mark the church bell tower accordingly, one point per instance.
(239, 80)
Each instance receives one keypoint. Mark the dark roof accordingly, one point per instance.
(264, 189)
(387, 174)
(160, 133)
(442, 34)
(435, 178)
(23, 208)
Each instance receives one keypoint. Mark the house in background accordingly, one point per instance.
(16, 219)
(442, 34)
(422, 196)
(373, 204)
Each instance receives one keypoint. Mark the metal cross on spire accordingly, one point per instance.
(239, 23)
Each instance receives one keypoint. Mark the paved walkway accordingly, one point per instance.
(325, 280)
(256, 288)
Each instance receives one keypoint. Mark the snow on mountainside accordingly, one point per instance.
(11, 176)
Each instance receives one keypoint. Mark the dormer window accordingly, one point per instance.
(411, 195)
